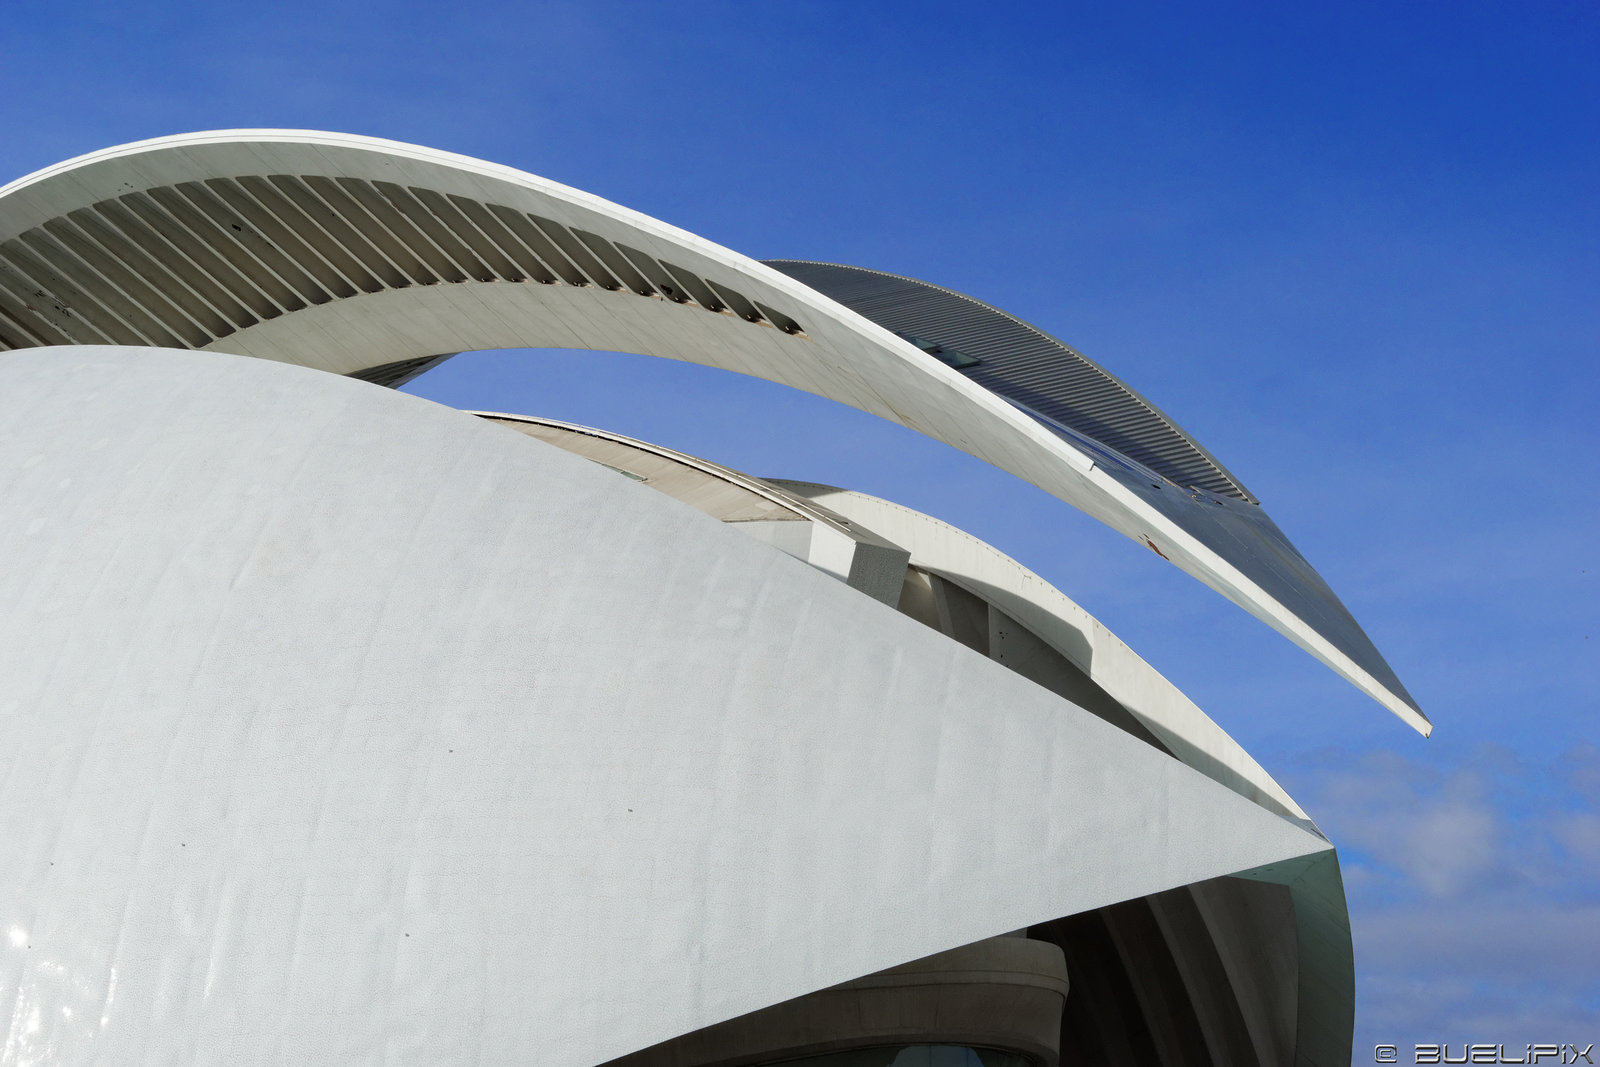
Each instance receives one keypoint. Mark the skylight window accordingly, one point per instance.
(950, 357)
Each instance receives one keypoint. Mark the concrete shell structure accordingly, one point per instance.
(348, 728)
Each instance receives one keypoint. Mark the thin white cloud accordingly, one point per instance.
(1474, 893)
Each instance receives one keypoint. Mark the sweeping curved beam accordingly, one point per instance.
(373, 257)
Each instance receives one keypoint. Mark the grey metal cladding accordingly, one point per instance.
(1026, 366)
(1128, 437)
(1245, 536)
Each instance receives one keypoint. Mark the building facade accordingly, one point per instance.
(349, 728)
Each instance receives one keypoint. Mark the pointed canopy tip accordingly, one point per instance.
(1408, 712)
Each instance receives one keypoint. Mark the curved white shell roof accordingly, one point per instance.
(343, 727)
(350, 253)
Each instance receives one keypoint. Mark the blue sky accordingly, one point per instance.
(1354, 249)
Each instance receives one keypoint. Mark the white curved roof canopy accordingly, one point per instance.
(355, 254)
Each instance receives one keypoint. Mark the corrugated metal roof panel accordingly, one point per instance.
(1026, 366)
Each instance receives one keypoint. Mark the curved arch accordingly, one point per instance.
(350, 253)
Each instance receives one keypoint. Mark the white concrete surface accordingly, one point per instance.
(345, 728)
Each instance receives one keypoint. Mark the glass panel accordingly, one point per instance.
(949, 356)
